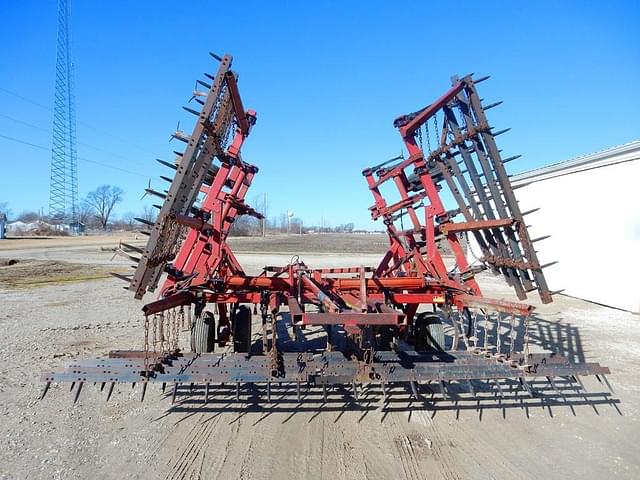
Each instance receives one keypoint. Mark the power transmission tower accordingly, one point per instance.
(63, 191)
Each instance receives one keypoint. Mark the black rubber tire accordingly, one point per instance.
(242, 330)
(203, 333)
(428, 332)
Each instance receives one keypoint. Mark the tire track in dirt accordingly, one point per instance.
(192, 448)
(477, 450)
(405, 449)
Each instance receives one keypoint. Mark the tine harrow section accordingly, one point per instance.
(451, 143)
(409, 321)
(325, 369)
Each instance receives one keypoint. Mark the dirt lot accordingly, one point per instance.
(48, 323)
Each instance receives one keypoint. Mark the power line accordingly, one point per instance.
(48, 130)
(85, 124)
(41, 147)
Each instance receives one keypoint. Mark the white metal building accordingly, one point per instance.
(590, 206)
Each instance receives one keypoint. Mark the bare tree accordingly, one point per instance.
(85, 212)
(261, 205)
(28, 216)
(149, 214)
(4, 209)
(102, 200)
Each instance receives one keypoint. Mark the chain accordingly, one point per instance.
(426, 129)
(498, 338)
(512, 333)
(461, 320)
(420, 137)
(526, 339)
(474, 315)
(146, 343)
(435, 122)
(486, 331)
(161, 330)
(155, 335)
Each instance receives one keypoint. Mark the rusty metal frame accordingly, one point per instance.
(188, 242)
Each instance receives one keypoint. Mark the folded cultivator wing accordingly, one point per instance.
(410, 321)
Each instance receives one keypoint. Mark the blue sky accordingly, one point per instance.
(326, 78)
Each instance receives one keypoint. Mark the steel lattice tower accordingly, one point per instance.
(63, 192)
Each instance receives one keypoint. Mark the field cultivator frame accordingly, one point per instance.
(374, 329)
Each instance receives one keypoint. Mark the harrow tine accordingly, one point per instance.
(324, 393)
(144, 390)
(45, 390)
(164, 386)
(414, 390)
(102, 387)
(73, 384)
(113, 384)
(355, 390)
(237, 391)
(472, 391)
(78, 390)
(175, 392)
(206, 393)
(527, 387)
(608, 384)
(443, 389)
(579, 381)
(298, 390)
(553, 385)
(268, 392)
(495, 380)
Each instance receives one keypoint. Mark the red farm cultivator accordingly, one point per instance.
(417, 320)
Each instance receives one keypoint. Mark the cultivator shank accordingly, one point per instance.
(354, 326)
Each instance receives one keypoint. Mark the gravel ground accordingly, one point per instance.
(46, 325)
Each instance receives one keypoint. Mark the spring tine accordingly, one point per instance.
(237, 391)
(324, 392)
(102, 386)
(45, 390)
(133, 386)
(384, 391)
(113, 384)
(191, 388)
(73, 384)
(78, 390)
(144, 390)
(175, 392)
(298, 389)
(608, 384)
(268, 392)
(355, 390)
(164, 386)
(206, 393)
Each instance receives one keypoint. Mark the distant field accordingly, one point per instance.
(312, 243)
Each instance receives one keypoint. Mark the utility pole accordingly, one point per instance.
(63, 189)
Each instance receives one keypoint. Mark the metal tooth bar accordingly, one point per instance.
(496, 237)
(195, 162)
(495, 193)
(509, 196)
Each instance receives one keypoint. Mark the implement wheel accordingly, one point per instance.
(428, 332)
(242, 330)
(203, 333)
